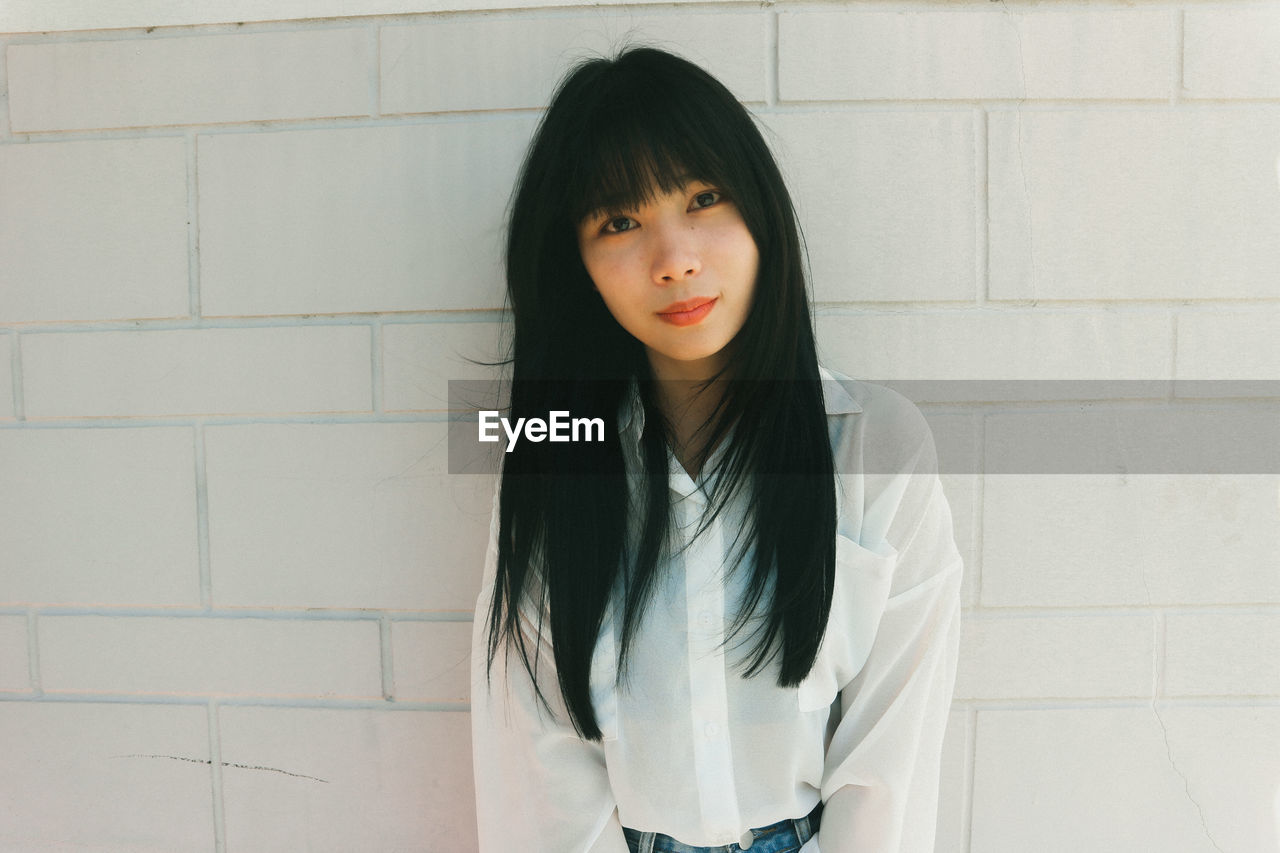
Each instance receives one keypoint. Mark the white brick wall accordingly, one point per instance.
(204, 371)
(1227, 52)
(989, 344)
(366, 779)
(895, 223)
(1213, 344)
(973, 52)
(190, 80)
(202, 656)
(1134, 204)
(106, 776)
(1101, 778)
(432, 660)
(99, 517)
(361, 515)
(242, 251)
(93, 230)
(430, 67)
(1076, 657)
(369, 236)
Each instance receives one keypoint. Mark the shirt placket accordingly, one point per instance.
(708, 687)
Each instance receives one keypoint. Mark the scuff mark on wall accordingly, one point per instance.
(225, 764)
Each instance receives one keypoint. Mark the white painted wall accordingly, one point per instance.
(241, 252)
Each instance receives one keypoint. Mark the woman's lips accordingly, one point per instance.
(688, 312)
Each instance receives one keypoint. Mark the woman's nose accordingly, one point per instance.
(676, 255)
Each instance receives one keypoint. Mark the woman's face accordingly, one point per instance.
(678, 273)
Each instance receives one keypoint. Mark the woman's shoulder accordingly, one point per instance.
(876, 427)
(880, 406)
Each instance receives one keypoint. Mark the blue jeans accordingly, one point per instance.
(785, 836)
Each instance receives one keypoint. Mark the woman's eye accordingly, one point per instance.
(706, 199)
(618, 224)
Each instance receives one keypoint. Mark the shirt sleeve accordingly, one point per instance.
(881, 779)
(539, 786)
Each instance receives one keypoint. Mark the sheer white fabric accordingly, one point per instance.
(694, 750)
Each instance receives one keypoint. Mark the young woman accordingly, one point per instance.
(733, 623)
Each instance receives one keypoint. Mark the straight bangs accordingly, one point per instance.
(643, 137)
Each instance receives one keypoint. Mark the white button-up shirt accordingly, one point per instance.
(694, 750)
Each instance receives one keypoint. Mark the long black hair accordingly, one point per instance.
(618, 132)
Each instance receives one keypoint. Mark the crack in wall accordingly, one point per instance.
(1186, 782)
(224, 764)
(1157, 655)
(1157, 665)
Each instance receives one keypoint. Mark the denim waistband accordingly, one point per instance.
(781, 837)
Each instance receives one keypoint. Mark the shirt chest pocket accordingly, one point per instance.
(863, 577)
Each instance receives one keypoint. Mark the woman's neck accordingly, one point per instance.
(687, 403)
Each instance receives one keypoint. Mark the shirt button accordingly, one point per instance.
(711, 729)
(748, 838)
(705, 619)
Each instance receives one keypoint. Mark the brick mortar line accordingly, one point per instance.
(375, 71)
(419, 416)
(975, 7)
(995, 613)
(772, 58)
(33, 654)
(1153, 104)
(824, 309)
(985, 614)
(270, 321)
(274, 125)
(563, 9)
(299, 614)
(179, 700)
(982, 206)
(970, 766)
(554, 10)
(1135, 702)
(977, 408)
(1156, 103)
(387, 660)
(193, 225)
(377, 376)
(203, 571)
(6, 132)
(167, 32)
(215, 778)
(1042, 307)
(15, 377)
(976, 615)
(1177, 95)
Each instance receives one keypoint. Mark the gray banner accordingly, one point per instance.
(997, 427)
